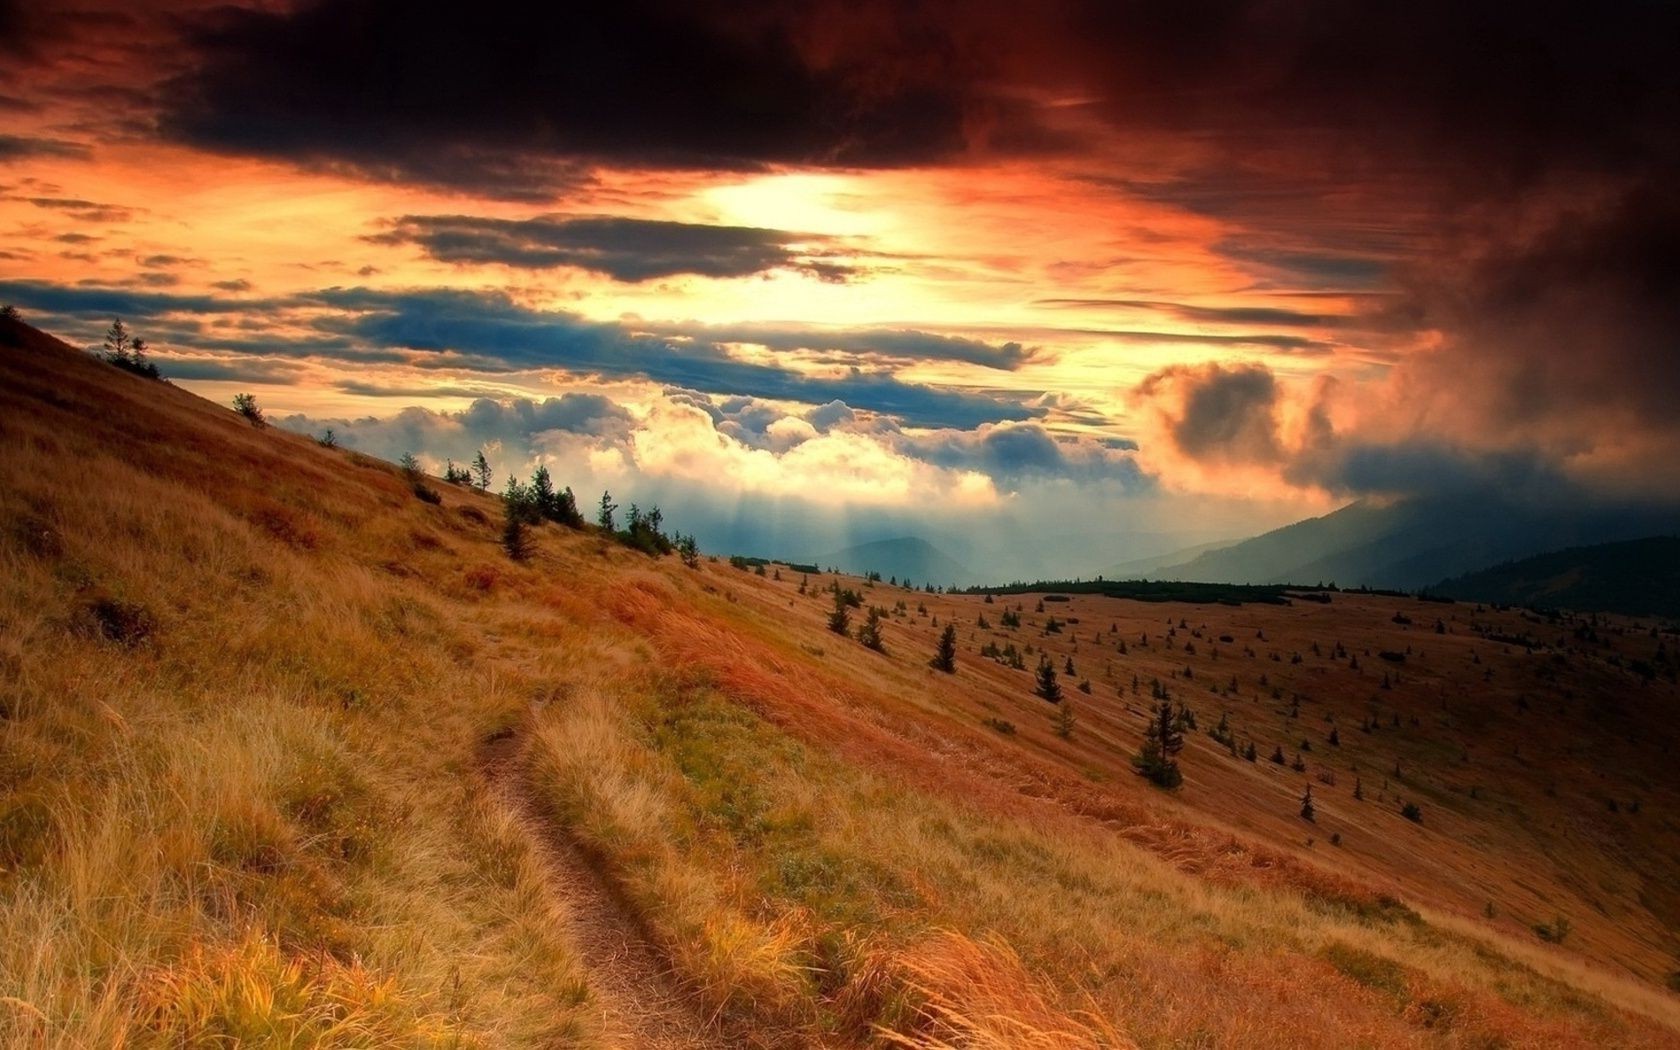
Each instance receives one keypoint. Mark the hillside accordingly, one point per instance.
(1142, 567)
(290, 756)
(1638, 577)
(1412, 544)
(907, 558)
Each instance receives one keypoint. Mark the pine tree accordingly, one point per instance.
(1358, 790)
(140, 364)
(543, 494)
(690, 551)
(840, 621)
(945, 659)
(1307, 810)
(410, 466)
(517, 500)
(1047, 686)
(118, 344)
(1162, 742)
(481, 471)
(566, 509)
(515, 540)
(870, 633)
(1250, 753)
(1064, 720)
(604, 516)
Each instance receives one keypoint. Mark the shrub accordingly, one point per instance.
(1412, 813)
(1007, 728)
(246, 405)
(1554, 933)
(1064, 721)
(516, 539)
(870, 633)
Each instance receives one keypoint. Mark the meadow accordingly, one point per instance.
(289, 756)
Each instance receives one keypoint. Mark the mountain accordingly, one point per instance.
(1142, 567)
(295, 752)
(1413, 544)
(906, 558)
(1635, 577)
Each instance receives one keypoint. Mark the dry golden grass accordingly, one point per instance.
(248, 681)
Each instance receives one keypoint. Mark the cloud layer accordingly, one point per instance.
(623, 249)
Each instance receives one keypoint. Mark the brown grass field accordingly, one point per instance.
(290, 757)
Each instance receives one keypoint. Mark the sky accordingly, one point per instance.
(1053, 285)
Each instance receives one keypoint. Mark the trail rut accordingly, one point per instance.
(641, 1004)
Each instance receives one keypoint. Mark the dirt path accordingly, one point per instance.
(639, 1001)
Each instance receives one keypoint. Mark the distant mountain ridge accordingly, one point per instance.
(1137, 567)
(1414, 544)
(1636, 577)
(905, 557)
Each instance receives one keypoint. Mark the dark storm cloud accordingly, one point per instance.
(1215, 412)
(500, 101)
(1430, 467)
(17, 147)
(1336, 269)
(112, 302)
(1282, 343)
(247, 370)
(1509, 94)
(1576, 320)
(905, 343)
(1246, 315)
(623, 249)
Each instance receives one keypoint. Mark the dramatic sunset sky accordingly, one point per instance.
(1052, 284)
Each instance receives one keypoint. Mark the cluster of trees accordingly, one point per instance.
(127, 351)
(526, 504)
(478, 475)
(246, 405)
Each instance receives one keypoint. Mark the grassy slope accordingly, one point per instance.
(264, 815)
